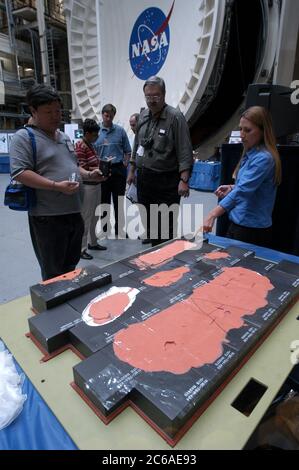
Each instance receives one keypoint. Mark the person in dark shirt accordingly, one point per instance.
(163, 157)
(134, 122)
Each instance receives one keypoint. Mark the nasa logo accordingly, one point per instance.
(149, 42)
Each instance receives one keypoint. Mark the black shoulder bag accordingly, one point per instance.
(19, 197)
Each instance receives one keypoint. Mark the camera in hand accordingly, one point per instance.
(105, 167)
(73, 178)
(147, 143)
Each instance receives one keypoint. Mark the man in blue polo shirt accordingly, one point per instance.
(113, 143)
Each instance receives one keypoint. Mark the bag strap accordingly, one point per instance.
(33, 143)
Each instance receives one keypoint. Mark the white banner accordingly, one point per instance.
(2, 92)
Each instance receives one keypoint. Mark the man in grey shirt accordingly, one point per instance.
(55, 222)
(163, 157)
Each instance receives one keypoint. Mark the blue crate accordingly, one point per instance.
(4, 164)
(205, 176)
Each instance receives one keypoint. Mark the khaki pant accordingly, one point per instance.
(91, 199)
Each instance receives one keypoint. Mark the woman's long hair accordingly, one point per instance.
(261, 118)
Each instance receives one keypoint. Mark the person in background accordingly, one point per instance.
(113, 142)
(163, 157)
(88, 161)
(55, 222)
(216, 157)
(250, 201)
(134, 122)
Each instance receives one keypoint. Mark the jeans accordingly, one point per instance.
(91, 200)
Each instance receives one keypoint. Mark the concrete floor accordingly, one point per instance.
(19, 267)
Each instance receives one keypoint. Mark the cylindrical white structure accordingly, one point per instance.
(112, 42)
(114, 45)
(40, 11)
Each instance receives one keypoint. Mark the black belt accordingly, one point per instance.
(117, 164)
(149, 171)
(91, 183)
(250, 228)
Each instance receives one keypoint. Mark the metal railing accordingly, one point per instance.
(18, 4)
(53, 8)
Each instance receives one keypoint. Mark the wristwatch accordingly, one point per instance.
(184, 179)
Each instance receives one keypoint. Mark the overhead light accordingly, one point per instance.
(28, 69)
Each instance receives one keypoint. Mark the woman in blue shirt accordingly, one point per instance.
(250, 201)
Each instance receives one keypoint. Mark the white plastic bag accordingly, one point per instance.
(11, 397)
(132, 193)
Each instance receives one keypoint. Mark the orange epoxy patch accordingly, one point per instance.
(64, 277)
(109, 308)
(166, 278)
(162, 255)
(216, 255)
(109, 305)
(190, 333)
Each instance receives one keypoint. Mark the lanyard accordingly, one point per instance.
(152, 125)
(151, 128)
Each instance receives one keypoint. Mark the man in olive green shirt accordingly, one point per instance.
(163, 157)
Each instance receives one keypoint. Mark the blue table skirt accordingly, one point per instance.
(36, 427)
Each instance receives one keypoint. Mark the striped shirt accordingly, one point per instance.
(86, 155)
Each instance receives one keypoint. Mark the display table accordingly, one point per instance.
(220, 427)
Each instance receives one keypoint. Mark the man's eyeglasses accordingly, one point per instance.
(153, 97)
